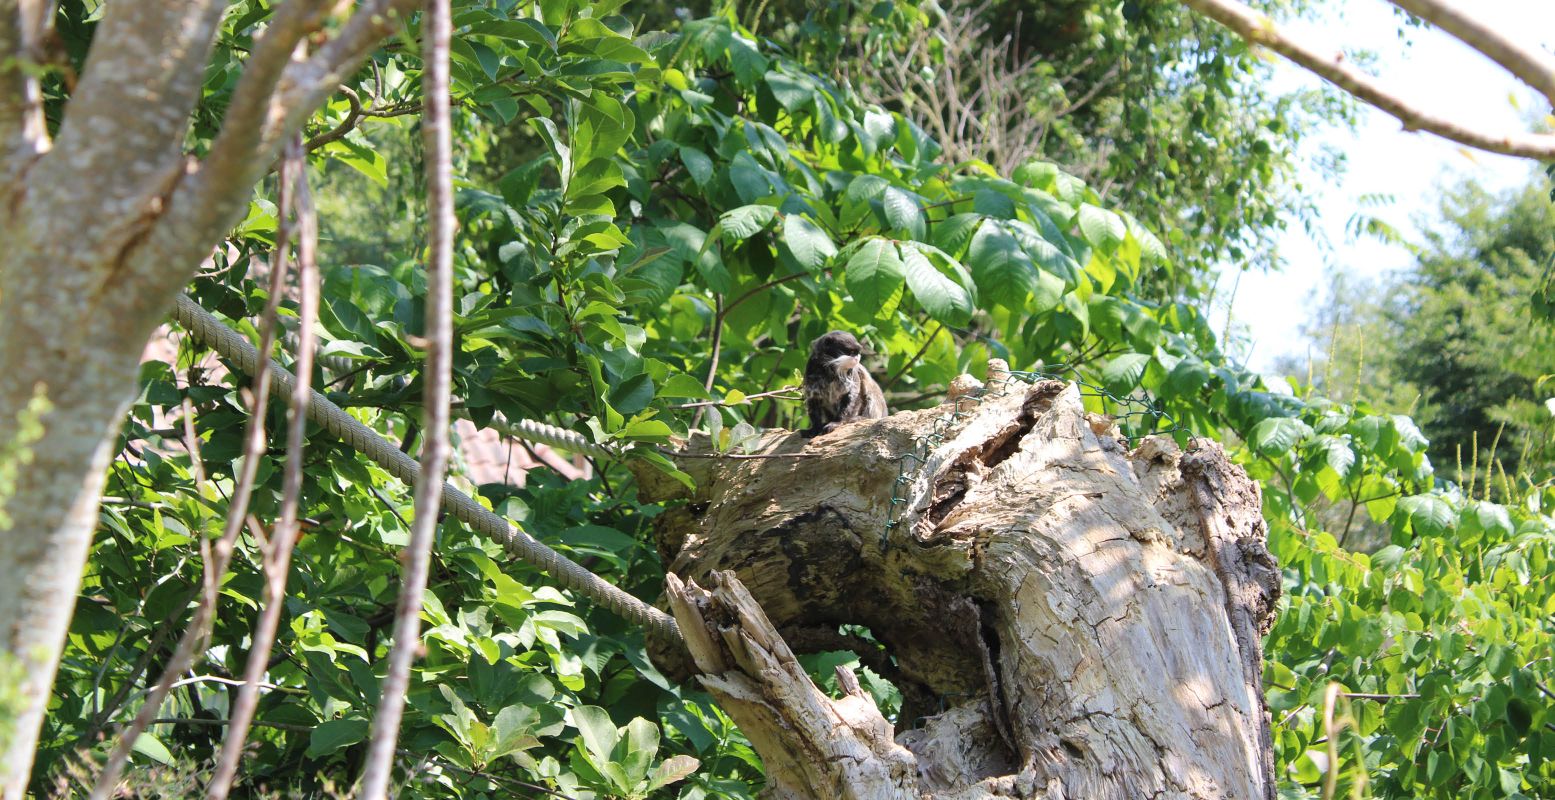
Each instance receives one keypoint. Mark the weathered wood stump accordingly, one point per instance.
(1065, 617)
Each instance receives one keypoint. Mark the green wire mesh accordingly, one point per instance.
(1137, 417)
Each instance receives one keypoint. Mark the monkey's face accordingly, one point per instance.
(838, 349)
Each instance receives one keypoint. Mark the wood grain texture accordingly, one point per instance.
(1065, 617)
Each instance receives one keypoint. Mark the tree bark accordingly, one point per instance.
(1065, 617)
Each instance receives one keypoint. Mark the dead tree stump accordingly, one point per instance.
(1065, 617)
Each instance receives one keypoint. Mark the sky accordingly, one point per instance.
(1437, 72)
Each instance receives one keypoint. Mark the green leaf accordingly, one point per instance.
(1001, 268)
(650, 430)
(791, 93)
(748, 62)
(632, 395)
(334, 735)
(682, 385)
(1053, 261)
(151, 747)
(666, 466)
(866, 187)
(641, 746)
(874, 273)
(1123, 373)
(1187, 378)
(1493, 519)
(1277, 435)
(598, 732)
(946, 300)
(1102, 228)
(807, 243)
(903, 212)
(697, 164)
(746, 221)
(993, 204)
(519, 184)
(510, 731)
(1337, 454)
(1428, 514)
(952, 233)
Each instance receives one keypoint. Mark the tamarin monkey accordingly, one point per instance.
(837, 388)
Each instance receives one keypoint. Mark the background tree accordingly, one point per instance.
(1454, 340)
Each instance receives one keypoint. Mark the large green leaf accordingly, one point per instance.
(1428, 514)
(746, 221)
(335, 734)
(874, 273)
(1102, 228)
(1123, 373)
(806, 242)
(1003, 272)
(903, 212)
(597, 731)
(1277, 435)
(945, 299)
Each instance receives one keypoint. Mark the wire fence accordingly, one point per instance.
(1137, 416)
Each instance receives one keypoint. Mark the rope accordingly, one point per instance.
(236, 348)
(540, 433)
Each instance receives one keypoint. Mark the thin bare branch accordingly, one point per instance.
(436, 35)
(1531, 65)
(1260, 30)
(346, 125)
(891, 381)
(733, 456)
(786, 390)
(973, 97)
(278, 550)
(712, 365)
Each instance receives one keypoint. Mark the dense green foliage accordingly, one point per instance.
(696, 203)
(1455, 341)
(1112, 87)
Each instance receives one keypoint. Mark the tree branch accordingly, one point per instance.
(207, 202)
(23, 136)
(253, 115)
(278, 553)
(1260, 30)
(346, 125)
(149, 57)
(891, 381)
(1531, 65)
(436, 130)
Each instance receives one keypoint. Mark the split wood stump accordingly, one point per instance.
(1066, 617)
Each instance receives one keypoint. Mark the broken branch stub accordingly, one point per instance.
(1064, 617)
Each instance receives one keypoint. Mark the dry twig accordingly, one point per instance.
(436, 134)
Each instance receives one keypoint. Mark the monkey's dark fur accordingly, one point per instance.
(837, 388)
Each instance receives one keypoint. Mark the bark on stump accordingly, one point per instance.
(1066, 618)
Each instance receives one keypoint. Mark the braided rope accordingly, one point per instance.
(235, 347)
(540, 433)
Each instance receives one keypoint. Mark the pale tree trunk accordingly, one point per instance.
(1065, 617)
(99, 229)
